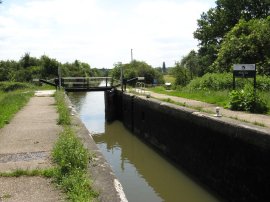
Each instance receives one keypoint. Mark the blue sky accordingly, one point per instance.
(100, 32)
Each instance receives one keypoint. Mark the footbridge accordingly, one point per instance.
(74, 84)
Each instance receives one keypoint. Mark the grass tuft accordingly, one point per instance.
(37, 172)
(64, 118)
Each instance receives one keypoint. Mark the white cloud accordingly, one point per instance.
(100, 35)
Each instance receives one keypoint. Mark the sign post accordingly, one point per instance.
(244, 71)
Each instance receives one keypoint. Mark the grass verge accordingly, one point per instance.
(71, 159)
(36, 172)
(12, 102)
(64, 118)
(220, 98)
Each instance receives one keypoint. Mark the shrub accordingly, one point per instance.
(222, 81)
(69, 152)
(214, 81)
(11, 86)
(245, 100)
(78, 186)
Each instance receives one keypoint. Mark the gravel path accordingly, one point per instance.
(26, 143)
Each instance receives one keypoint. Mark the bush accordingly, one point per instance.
(214, 81)
(263, 83)
(224, 81)
(11, 86)
(245, 100)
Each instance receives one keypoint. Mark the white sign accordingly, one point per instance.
(244, 67)
(140, 78)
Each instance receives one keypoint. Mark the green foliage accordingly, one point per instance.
(246, 43)
(29, 68)
(137, 69)
(72, 160)
(213, 81)
(11, 86)
(191, 62)
(181, 74)
(11, 103)
(64, 118)
(223, 81)
(69, 153)
(209, 96)
(36, 172)
(169, 78)
(263, 83)
(217, 22)
(245, 100)
(77, 186)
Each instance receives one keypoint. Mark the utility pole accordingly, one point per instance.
(131, 55)
(59, 77)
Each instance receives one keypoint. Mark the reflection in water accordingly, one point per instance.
(144, 174)
(91, 109)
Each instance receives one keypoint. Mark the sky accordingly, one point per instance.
(100, 32)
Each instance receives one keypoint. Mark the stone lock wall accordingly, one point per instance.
(230, 158)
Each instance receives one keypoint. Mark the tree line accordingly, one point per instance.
(29, 68)
(138, 69)
(232, 32)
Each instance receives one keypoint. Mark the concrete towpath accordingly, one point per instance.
(258, 119)
(26, 143)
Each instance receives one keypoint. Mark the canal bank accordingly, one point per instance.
(230, 157)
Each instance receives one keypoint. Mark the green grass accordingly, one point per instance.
(64, 118)
(214, 97)
(72, 161)
(36, 172)
(71, 158)
(11, 103)
(169, 79)
(218, 97)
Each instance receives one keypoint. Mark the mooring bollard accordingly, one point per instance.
(218, 112)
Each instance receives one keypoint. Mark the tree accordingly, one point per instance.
(137, 69)
(49, 67)
(191, 62)
(164, 70)
(28, 61)
(247, 42)
(182, 75)
(216, 22)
